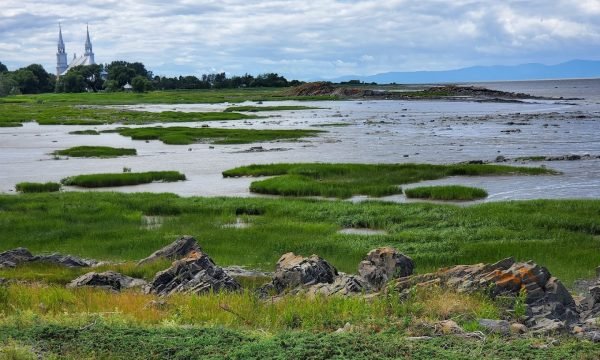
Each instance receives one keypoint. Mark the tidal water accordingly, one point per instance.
(436, 132)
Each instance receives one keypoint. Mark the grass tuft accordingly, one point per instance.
(187, 135)
(96, 151)
(122, 179)
(446, 192)
(31, 187)
(85, 132)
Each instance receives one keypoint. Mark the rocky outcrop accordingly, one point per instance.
(15, 257)
(384, 264)
(195, 274)
(108, 280)
(314, 275)
(550, 307)
(178, 249)
(64, 260)
(12, 258)
(293, 270)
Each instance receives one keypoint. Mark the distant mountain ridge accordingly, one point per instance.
(569, 70)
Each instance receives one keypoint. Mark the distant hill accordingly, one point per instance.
(568, 70)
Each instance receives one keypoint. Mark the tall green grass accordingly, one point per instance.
(122, 179)
(562, 235)
(31, 187)
(446, 192)
(187, 135)
(96, 151)
(346, 180)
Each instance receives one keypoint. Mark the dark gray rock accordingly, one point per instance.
(64, 260)
(195, 274)
(178, 249)
(292, 271)
(12, 258)
(384, 264)
(108, 279)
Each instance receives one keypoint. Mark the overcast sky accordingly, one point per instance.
(305, 39)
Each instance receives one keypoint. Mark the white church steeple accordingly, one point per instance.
(88, 46)
(61, 54)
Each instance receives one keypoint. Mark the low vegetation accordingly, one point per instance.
(96, 151)
(346, 180)
(561, 235)
(250, 108)
(186, 135)
(32, 187)
(122, 179)
(60, 114)
(85, 132)
(446, 192)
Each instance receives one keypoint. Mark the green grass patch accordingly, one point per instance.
(346, 180)
(61, 114)
(95, 338)
(96, 151)
(84, 132)
(122, 179)
(250, 108)
(562, 235)
(446, 192)
(212, 96)
(530, 158)
(187, 135)
(10, 124)
(31, 187)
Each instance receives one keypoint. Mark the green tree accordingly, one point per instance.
(7, 85)
(140, 84)
(3, 68)
(72, 82)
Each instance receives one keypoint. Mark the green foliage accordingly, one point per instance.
(561, 235)
(346, 180)
(122, 179)
(140, 84)
(446, 192)
(99, 339)
(81, 78)
(96, 151)
(30, 187)
(177, 135)
(249, 108)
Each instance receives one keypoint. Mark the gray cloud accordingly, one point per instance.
(308, 39)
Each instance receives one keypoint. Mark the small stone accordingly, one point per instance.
(577, 330)
(447, 327)
(517, 328)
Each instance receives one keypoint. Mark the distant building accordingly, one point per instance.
(127, 87)
(61, 56)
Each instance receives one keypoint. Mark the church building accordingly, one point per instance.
(61, 56)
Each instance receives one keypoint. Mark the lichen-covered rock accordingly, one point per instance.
(293, 270)
(384, 264)
(195, 274)
(108, 279)
(550, 307)
(178, 249)
(12, 258)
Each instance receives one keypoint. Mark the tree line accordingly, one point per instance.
(33, 79)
